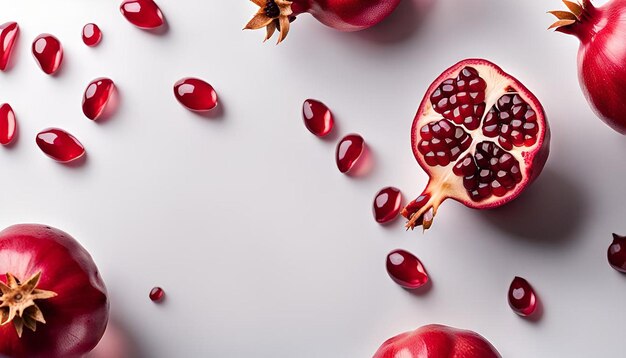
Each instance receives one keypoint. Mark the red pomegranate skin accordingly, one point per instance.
(437, 341)
(346, 15)
(77, 317)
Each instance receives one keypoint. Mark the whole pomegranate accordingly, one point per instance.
(53, 302)
(437, 341)
(480, 135)
(601, 56)
(343, 15)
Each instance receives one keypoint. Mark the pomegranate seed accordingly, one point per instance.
(156, 294)
(8, 124)
(522, 297)
(617, 253)
(349, 151)
(48, 52)
(91, 35)
(96, 97)
(8, 35)
(406, 269)
(145, 14)
(387, 204)
(195, 94)
(60, 145)
(317, 117)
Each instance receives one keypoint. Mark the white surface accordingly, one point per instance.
(263, 247)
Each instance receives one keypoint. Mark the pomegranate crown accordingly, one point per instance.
(575, 13)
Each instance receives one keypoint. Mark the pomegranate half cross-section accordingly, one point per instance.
(481, 136)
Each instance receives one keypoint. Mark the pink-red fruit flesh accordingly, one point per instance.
(96, 97)
(317, 117)
(145, 14)
(617, 253)
(157, 294)
(387, 204)
(8, 124)
(349, 151)
(522, 298)
(195, 94)
(92, 35)
(48, 52)
(406, 270)
(481, 136)
(8, 36)
(59, 145)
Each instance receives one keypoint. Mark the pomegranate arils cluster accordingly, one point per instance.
(461, 100)
(513, 121)
(443, 142)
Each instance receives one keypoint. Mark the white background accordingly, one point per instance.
(263, 247)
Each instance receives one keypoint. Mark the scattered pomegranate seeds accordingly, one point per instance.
(48, 52)
(96, 96)
(195, 94)
(349, 151)
(317, 117)
(522, 297)
(406, 269)
(8, 35)
(157, 294)
(617, 253)
(8, 124)
(387, 204)
(145, 14)
(91, 35)
(59, 145)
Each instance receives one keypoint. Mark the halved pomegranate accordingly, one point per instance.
(481, 136)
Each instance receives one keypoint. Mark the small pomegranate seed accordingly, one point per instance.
(406, 269)
(91, 35)
(48, 52)
(617, 253)
(60, 145)
(8, 124)
(349, 151)
(156, 294)
(8, 35)
(145, 14)
(96, 96)
(317, 117)
(522, 297)
(387, 204)
(195, 94)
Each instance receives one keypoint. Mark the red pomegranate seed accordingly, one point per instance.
(8, 34)
(145, 14)
(387, 204)
(195, 94)
(96, 97)
(349, 151)
(406, 269)
(8, 124)
(156, 294)
(522, 297)
(317, 117)
(60, 145)
(91, 35)
(617, 253)
(48, 52)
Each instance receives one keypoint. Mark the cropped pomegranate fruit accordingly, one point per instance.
(53, 302)
(601, 55)
(342, 15)
(8, 35)
(616, 253)
(437, 341)
(481, 136)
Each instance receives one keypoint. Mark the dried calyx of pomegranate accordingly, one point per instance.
(481, 136)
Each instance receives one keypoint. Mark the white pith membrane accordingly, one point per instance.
(444, 183)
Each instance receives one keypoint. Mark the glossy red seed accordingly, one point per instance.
(406, 269)
(617, 253)
(96, 96)
(8, 124)
(48, 52)
(522, 297)
(59, 145)
(156, 294)
(8, 35)
(91, 35)
(317, 117)
(349, 151)
(144, 14)
(387, 204)
(195, 94)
